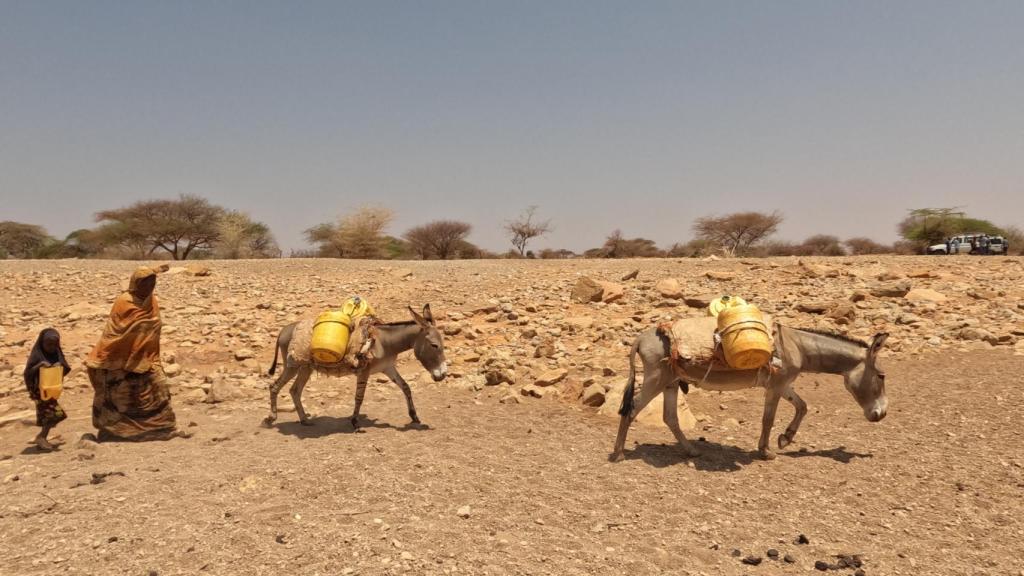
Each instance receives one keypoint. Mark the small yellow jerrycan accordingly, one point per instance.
(719, 304)
(51, 382)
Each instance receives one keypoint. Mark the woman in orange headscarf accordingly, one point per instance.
(132, 400)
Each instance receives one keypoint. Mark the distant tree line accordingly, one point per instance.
(190, 227)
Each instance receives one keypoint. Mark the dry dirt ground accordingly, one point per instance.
(488, 485)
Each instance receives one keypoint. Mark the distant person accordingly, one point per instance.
(132, 400)
(45, 354)
(983, 244)
(956, 246)
(949, 246)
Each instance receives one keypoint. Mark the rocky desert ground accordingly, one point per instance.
(509, 473)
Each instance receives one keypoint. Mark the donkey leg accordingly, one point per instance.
(296, 394)
(801, 410)
(392, 373)
(653, 385)
(360, 394)
(671, 416)
(772, 394)
(287, 374)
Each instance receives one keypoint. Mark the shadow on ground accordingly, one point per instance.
(328, 425)
(715, 457)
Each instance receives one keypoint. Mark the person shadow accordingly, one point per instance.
(328, 425)
(716, 457)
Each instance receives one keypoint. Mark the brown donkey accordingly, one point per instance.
(419, 335)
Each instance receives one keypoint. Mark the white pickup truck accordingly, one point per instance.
(962, 243)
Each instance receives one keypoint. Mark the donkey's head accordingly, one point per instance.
(429, 345)
(866, 382)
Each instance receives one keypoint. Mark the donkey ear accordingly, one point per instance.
(419, 319)
(427, 314)
(877, 342)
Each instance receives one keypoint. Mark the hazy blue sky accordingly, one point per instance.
(632, 115)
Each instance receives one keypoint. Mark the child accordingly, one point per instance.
(46, 352)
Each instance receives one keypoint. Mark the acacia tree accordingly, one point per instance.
(242, 237)
(438, 239)
(737, 233)
(821, 245)
(179, 227)
(525, 228)
(357, 235)
(618, 246)
(927, 226)
(18, 240)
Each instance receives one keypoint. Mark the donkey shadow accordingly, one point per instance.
(328, 425)
(716, 457)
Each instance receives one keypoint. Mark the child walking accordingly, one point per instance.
(46, 354)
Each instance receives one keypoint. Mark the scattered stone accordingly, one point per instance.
(788, 559)
(813, 307)
(669, 288)
(532, 390)
(772, 553)
(752, 560)
(896, 289)
(402, 273)
(801, 539)
(632, 275)
(722, 276)
(464, 512)
(244, 354)
(593, 395)
(702, 301)
(926, 295)
(611, 292)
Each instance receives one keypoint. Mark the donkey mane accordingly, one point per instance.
(835, 335)
(399, 323)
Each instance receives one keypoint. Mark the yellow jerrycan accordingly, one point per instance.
(330, 336)
(746, 341)
(51, 382)
(719, 304)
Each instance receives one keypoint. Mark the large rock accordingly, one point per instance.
(896, 289)
(197, 270)
(551, 377)
(587, 290)
(669, 288)
(975, 333)
(611, 292)
(813, 307)
(926, 295)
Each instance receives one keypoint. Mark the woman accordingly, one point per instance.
(46, 352)
(132, 401)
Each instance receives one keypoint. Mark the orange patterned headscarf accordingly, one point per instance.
(131, 339)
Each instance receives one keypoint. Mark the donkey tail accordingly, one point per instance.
(277, 349)
(627, 395)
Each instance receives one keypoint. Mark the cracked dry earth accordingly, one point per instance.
(491, 486)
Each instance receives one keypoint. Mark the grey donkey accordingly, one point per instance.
(799, 350)
(419, 335)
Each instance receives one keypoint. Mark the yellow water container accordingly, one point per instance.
(51, 382)
(719, 304)
(330, 336)
(746, 339)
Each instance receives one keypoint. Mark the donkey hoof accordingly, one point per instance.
(268, 422)
(616, 457)
(784, 441)
(767, 454)
(691, 452)
(355, 423)
(306, 422)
